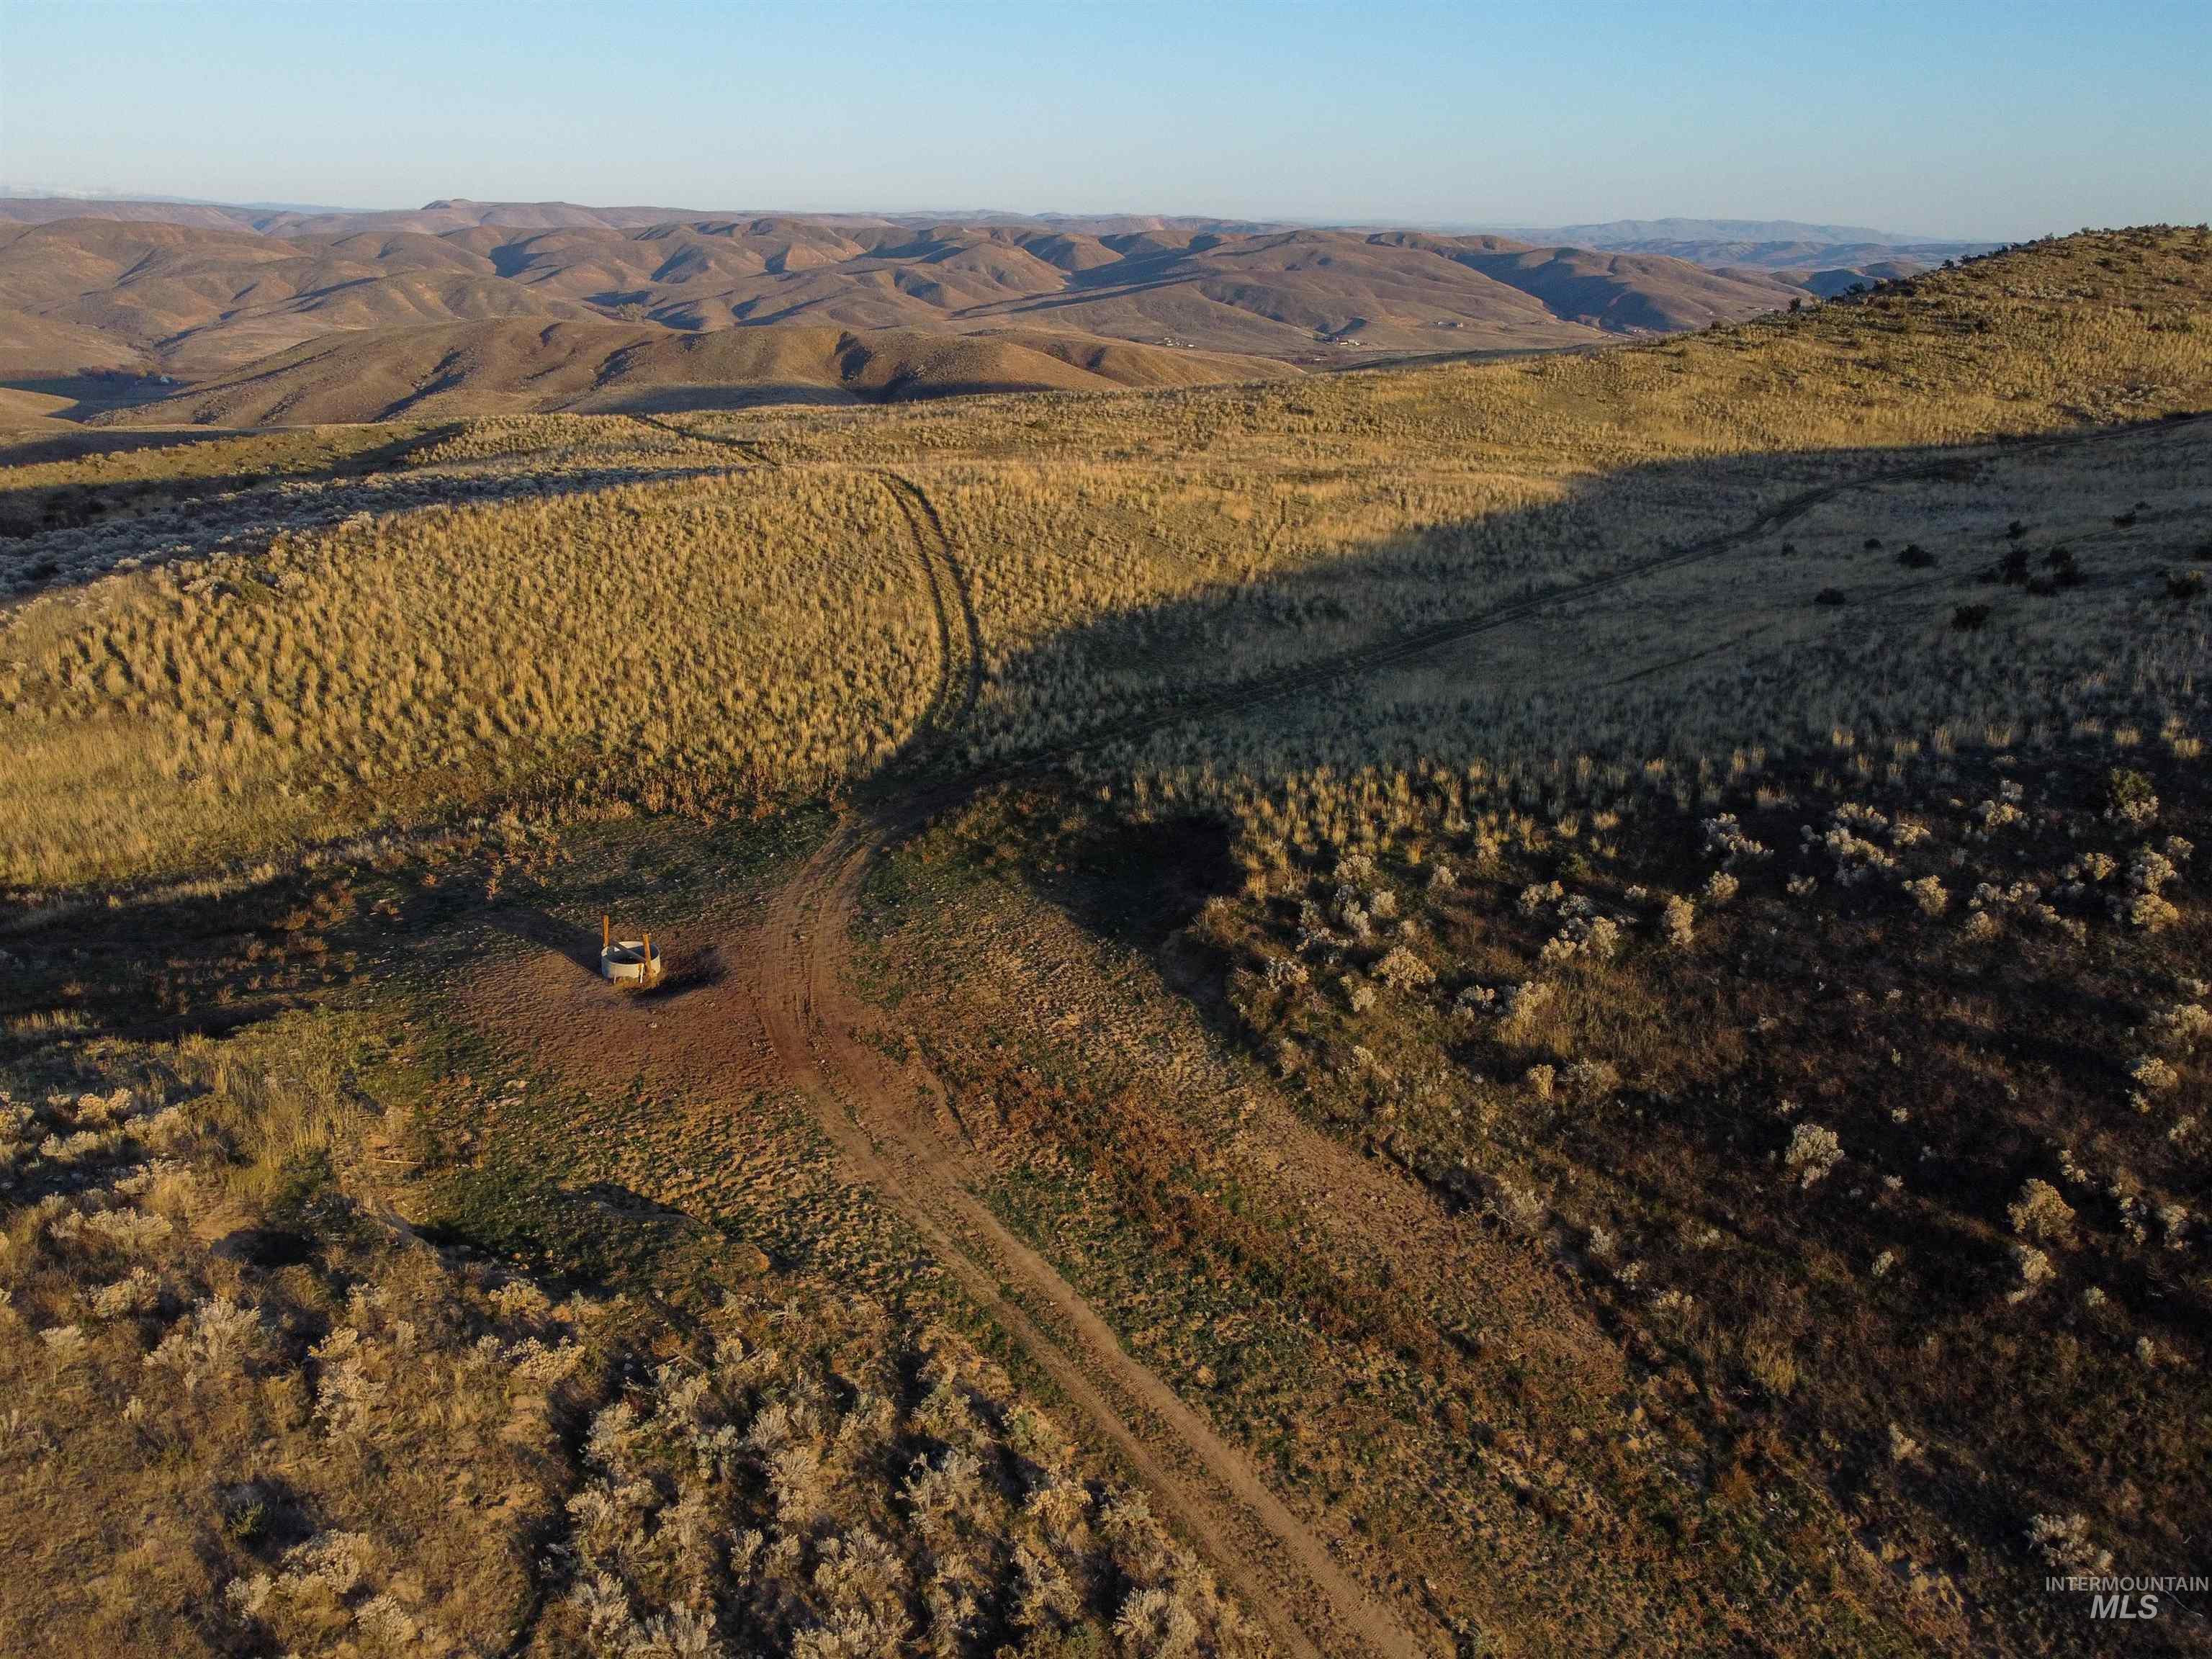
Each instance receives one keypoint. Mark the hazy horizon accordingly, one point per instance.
(1971, 121)
(38, 190)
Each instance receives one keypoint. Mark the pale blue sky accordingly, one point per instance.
(1962, 117)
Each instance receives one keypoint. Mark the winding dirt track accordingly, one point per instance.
(958, 688)
(752, 451)
(879, 1117)
(891, 1122)
(884, 1121)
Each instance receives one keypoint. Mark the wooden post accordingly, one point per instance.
(645, 975)
(606, 931)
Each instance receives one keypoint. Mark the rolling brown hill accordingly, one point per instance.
(1556, 1005)
(101, 291)
(1821, 260)
(99, 294)
(469, 307)
(515, 366)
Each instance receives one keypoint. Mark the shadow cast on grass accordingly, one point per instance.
(578, 946)
(1419, 599)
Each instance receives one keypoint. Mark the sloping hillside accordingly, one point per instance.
(1619, 293)
(96, 294)
(524, 367)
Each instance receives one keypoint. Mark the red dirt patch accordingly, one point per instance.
(699, 1030)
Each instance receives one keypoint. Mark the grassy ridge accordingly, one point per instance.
(1119, 551)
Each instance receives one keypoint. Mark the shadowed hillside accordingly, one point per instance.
(1536, 1006)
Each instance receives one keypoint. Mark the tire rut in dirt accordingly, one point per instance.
(752, 451)
(927, 1180)
(943, 572)
(1283, 1572)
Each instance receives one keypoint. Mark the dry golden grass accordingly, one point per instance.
(1690, 677)
(702, 639)
(741, 633)
(324, 1437)
(1481, 936)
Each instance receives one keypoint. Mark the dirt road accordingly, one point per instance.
(892, 1124)
(881, 1118)
(887, 1124)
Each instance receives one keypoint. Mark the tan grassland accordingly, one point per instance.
(1524, 1007)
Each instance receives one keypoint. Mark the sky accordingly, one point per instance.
(1991, 120)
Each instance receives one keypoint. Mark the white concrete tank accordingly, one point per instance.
(628, 961)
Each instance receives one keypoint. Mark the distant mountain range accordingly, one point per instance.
(39, 207)
(1615, 232)
(230, 302)
(1782, 245)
